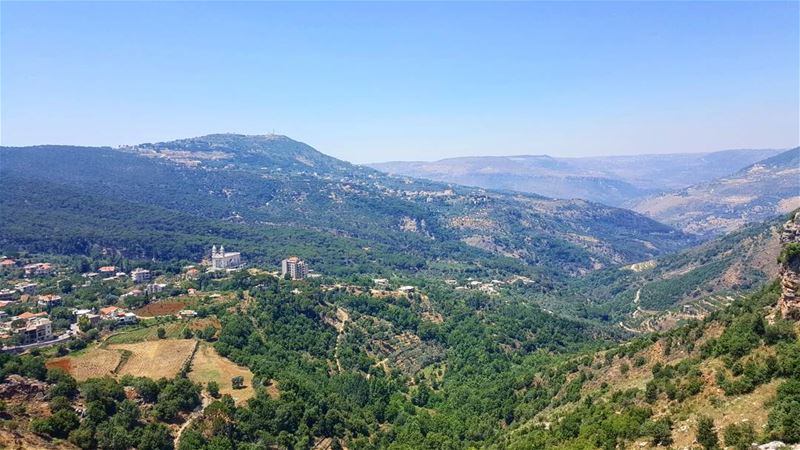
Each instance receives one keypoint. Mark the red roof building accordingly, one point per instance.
(29, 315)
(108, 310)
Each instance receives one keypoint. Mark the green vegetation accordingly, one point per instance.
(707, 433)
(327, 215)
(391, 376)
(784, 420)
(213, 389)
(749, 353)
(740, 436)
(334, 362)
(789, 253)
(684, 278)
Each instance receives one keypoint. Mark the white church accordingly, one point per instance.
(221, 260)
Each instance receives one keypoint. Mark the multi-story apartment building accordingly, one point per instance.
(295, 267)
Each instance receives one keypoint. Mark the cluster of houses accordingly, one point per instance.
(487, 287)
(38, 269)
(380, 288)
(19, 289)
(31, 328)
(110, 313)
(31, 270)
(138, 276)
(37, 327)
(149, 290)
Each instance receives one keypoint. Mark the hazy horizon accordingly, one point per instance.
(374, 82)
(455, 156)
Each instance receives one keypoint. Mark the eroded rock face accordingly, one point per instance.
(789, 303)
(21, 388)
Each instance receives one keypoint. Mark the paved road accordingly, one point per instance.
(21, 348)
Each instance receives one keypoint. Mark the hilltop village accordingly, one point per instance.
(46, 303)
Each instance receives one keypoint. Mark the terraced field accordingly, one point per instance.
(156, 359)
(153, 359)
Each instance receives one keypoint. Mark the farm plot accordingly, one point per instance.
(162, 308)
(91, 364)
(155, 359)
(208, 365)
(147, 333)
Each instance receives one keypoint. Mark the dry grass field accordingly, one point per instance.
(161, 358)
(91, 364)
(208, 365)
(156, 359)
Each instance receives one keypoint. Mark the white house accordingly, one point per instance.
(140, 275)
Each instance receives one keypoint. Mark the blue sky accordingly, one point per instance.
(399, 81)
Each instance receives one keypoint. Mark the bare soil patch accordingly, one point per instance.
(163, 308)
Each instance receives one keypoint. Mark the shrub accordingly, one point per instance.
(59, 425)
(707, 433)
(660, 430)
(790, 252)
(784, 419)
(155, 436)
(237, 382)
(739, 436)
(213, 389)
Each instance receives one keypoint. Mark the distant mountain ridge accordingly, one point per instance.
(755, 193)
(612, 180)
(249, 150)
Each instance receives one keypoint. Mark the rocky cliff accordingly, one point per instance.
(789, 303)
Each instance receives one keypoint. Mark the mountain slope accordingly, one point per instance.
(735, 370)
(270, 151)
(259, 181)
(612, 180)
(757, 192)
(657, 294)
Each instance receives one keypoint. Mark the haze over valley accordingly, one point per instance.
(700, 193)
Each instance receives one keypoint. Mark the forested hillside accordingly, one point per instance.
(658, 293)
(338, 363)
(729, 380)
(267, 182)
(64, 219)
